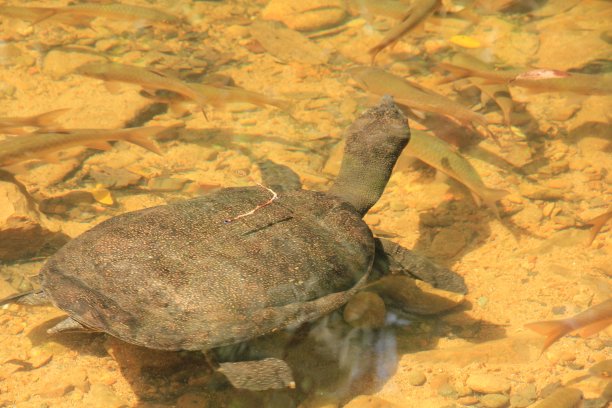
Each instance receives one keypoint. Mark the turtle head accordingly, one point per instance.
(373, 143)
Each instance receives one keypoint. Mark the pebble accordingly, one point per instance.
(370, 401)
(417, 378)
(548, 209)
(537, 192)
(488, 383)
(448, 391)
(56, 387)
(494, 400)
(7, 89)
(468, 400)
(39, 357)
(102, 396)
(22, 231)
(305, 15)
(520, 401)
(365, 310)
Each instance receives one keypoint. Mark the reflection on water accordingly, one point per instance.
(114, 107)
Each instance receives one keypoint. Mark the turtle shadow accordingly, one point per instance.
(331, 361)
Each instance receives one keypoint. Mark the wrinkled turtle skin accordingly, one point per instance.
(178, 277)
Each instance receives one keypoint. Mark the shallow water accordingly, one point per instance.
(532, 264)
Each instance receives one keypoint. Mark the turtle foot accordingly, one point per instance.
(394, 259)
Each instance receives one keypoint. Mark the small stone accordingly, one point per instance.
(564, 220)
(39, 357)
(56, 387)
(23, 232)
(595, 343)
(305, 15)
(590, 145)
(468, 400)
(548, 209)
(365, 310)
(558, 310)
(559, 183)
(7, 89)
(448, 391)
(102, 396)
(537, 192)
(488, 383)
(494, 400)
(106, 44)
(519, 401)
(417, 378)
(370, 401)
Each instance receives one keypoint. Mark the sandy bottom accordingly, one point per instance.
(533, 264)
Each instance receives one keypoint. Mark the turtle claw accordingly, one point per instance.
(258, 375)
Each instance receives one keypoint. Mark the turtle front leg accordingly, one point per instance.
(393, 259)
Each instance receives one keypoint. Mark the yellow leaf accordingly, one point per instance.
(102, 195)
(465, 41)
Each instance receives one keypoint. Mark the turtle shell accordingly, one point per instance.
(180, 276)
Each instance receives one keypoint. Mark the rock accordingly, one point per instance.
(23, 232)
(416, 296)
(537, 192)
(58, 386)
(417, 378)
(11, 55)
(494, 401)
(370, 401)
(365, 310)
(519, 401)
(58, 63)
(39, 357)
(468, 400)
(488, 383)
(446, 390)
(306, 15)
(102, 396)
(114, 178)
